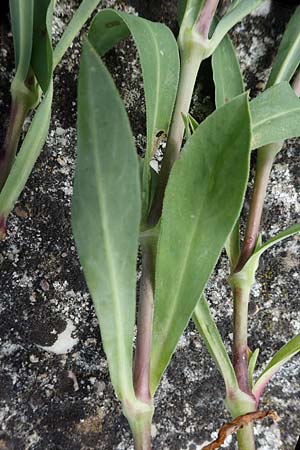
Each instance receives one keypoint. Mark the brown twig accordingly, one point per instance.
(238, 423)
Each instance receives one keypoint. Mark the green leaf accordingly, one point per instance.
(203, 199)
(188, 12)
(279, 359)
(82, 14)
(159, 59)
(187, 132)
(260, 249)
(21, 14)
(210, 334)
(275, 115)
(27, 156)
(288, 55)
(251, 365)
(193, 123)
(233, 16)
(226, 72)
(228, 84)
(106, 213)
(42, 55)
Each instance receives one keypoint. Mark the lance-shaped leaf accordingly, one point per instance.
(37, 134)
(260, 249)
(279, 359)
(210, 334)
(27, 156)
(159, 59)
(288, 55)
(21, 14)
(106, 212)
(79, 18)
(275, 115)
(234, 15)
(202, 202)
(251, 365)
(228, 84)
(42, 56)
(226, 72)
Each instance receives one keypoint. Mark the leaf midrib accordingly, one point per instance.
(106, 241)
(273, 117)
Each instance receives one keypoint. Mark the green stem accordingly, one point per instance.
(245, 438)
(190, 62)
(140, 426)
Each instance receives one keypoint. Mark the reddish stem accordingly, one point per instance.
(144, 327)
(8, 152)
(265, 159)
(206, 17)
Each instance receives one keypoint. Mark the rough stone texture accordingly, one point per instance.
(53, 401)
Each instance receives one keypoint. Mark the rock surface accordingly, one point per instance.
(52, 400)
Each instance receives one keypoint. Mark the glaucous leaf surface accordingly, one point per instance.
(203, 199)
(226, 72)
(251, 365)
(288, 55)
(159, 59)
(21, 14)
(42, 55)
(275, 115)
(210, 334)
(106, 212)
(229, 83)
(27, 156)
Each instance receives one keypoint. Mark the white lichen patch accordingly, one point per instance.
(64, 341)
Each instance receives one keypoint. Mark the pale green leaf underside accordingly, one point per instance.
(210, 334)
(27, 156)
(288, 55)
(202, 202)
(275, 115)
(280, 358)
(159, 59)
(79, 18)
(21, 14)
(106, 213)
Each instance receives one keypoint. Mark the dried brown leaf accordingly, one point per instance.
(239, 422)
